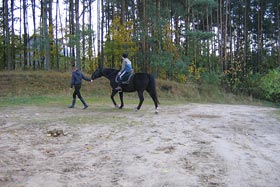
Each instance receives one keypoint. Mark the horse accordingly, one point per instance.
(139, 82)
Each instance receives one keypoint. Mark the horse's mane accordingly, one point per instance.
(110, 69)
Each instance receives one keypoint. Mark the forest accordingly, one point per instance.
(235, 44)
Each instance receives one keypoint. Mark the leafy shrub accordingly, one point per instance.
(270, 84)
(252, 86)
(210, 78)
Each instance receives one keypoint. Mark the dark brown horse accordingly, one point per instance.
(140, 82)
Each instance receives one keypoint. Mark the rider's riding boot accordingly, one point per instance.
(83, 101)
(119, 88)
(73, 103)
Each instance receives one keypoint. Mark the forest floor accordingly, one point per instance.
(184, 145)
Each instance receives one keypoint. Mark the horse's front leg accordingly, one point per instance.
(112, 97)
(121, 98)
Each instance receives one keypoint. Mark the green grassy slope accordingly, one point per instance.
(43, 86)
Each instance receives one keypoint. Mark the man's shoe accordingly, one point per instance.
(73, 103)
(84, 103)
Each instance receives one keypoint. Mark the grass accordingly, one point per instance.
(42, 88)
(276, 114)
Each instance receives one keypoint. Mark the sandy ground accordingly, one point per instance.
(186, 145)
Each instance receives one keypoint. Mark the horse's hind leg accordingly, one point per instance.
(121, 98)
(141, 99)
(154, 97)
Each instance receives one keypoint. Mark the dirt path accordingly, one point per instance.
(187, 145)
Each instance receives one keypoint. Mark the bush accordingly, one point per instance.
(270, 85)
(210, 78)
(252, 85)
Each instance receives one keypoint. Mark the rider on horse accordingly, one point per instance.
(124, 72)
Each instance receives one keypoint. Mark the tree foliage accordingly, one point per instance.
(178, 40)
(118, 41)
(270, 85)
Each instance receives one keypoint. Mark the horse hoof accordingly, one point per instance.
(156, 111)
(136, 110)
(116, 106)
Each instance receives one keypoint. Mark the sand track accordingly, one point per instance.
(185, 145)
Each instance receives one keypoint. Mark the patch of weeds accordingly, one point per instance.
(92, 120)
(276, 114)
(38, 121)
(133, 123)
(31, 100)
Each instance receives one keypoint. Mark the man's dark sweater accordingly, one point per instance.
(77, 77)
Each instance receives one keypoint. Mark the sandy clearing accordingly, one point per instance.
(185, 145)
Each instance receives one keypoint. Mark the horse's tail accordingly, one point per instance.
(151, 88)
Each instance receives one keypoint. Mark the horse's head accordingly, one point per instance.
(97, 73)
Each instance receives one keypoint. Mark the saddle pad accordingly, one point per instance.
(127, 78)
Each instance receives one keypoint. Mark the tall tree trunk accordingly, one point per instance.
(123, 11)
(7, 57)
(56, 36)
(66, 52)
(157, 33)
(144, 30)
(133, 19)
(20, 33)
(46, 36)
(208, 41)
(278, 33)
(225, 36)
(72, 29)
(102, 32)
(34, 49)
(77, 35)
(177, 30)
(13, 63)
(90, 41)
(98, 31)
(221, 32)
(231, 43)
(187, 26)
(83, 35)
(51, 35)
(112, 8)
(246, 44)
(212, 46)
(25, 37)
(260, 34)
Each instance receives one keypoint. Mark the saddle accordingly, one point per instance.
(126, 78)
